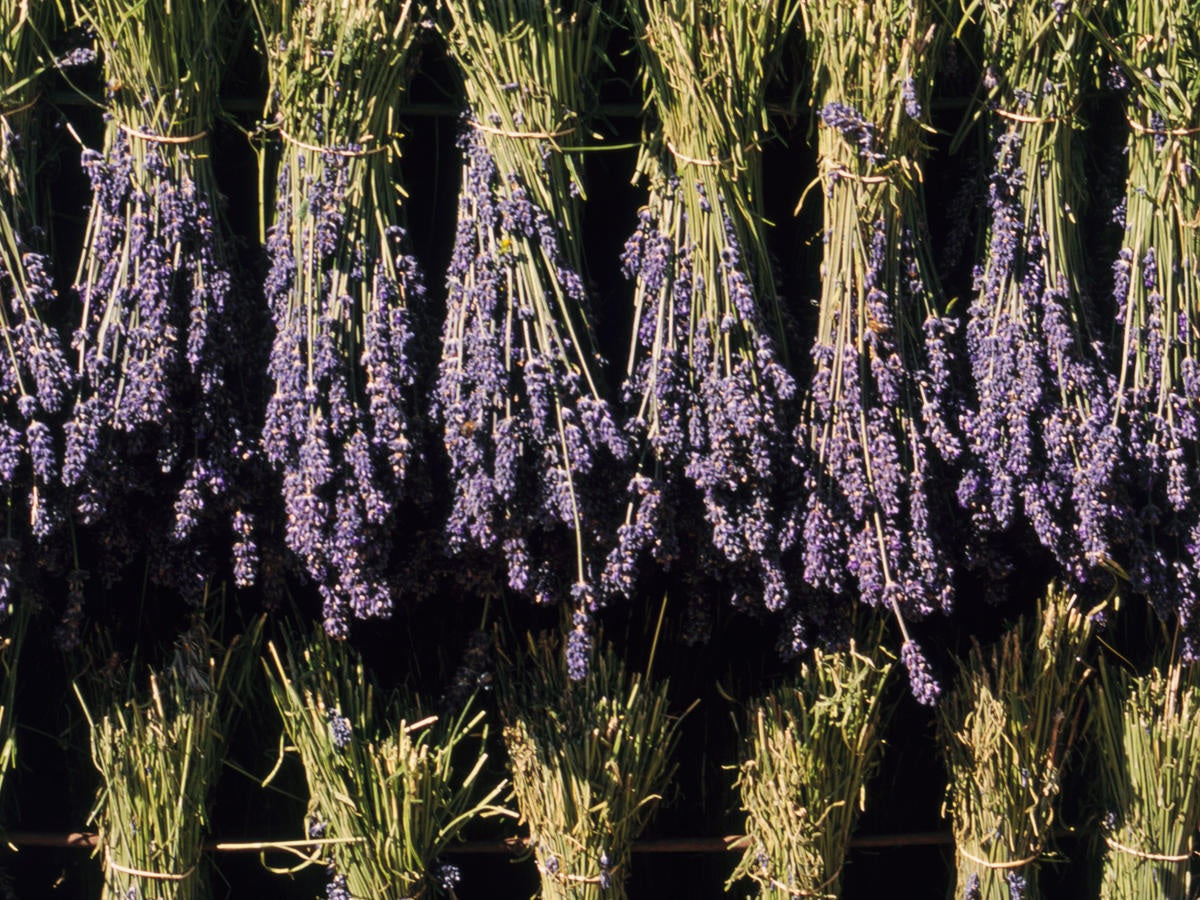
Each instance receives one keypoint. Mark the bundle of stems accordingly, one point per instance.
(161, 361)
(159, 753)
(1156, 287)
(34, 372)
(705, 383)
(1006, 730)
(342, 424)
(811, 747)
(390, 786)
(880, 415)
(1148, 732)
(590, 760)
(1040, 428)
(520, 394)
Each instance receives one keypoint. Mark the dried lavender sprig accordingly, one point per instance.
(879, 417)
(342, 423)
(1040, 428)
(526, 422)
(1006, 730)
(1148, 728)
(1156, 289)
(705, 379)
(35, 375)
(157, 406)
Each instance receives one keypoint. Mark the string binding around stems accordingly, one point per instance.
(1142, 854)
(114, 866)
(162, 138)
(334, 151)
(710, 162)
(1010, 864)
(569, 878)
(1025, 119)
(523, 135)
(1161, 132)
(818, 891)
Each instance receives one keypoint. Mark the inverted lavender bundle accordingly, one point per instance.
(34, 373)
(705, 378)
(343, 291)
(527, 428)
(1156, 285)
(877, 418)
(1040, 432)
(157, 342)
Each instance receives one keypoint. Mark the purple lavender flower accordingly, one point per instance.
(925, 688)
(341, 732)
(526, 430)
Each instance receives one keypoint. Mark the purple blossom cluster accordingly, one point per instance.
(1040, 429)
(35, 376)
(878, 433)
(156, 409)
(714, 424)
(340, 424)
(527, 434)
(1159, 445)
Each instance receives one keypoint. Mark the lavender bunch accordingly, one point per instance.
(590, 759)
(1156, 288)
(1040, 429)
(159, 751)
(705, 383)
(1148, 727)
(342, 425)
(35, 375)
(811, 747)
(1006, 730)
(526, 424)
(159, 353)
(390, 787)
(878, 421)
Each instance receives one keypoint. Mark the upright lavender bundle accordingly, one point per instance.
(705, 380)
(159, 354)
(1148, 729)
(342, 422)
(1006, 732)
(878, 419)
(34, 373)
(1040, 429)
(526, 424)
(1156, 286)
(810, 747)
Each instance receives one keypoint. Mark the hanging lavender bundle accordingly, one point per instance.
(1040, 431)
(34, 373)
(1156, 286)
(526, 425)
(159, 356)
(705, 381)
(877, 421)
(343, 291)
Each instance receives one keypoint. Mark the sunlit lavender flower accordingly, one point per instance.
(341, 732)
(526, 431)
